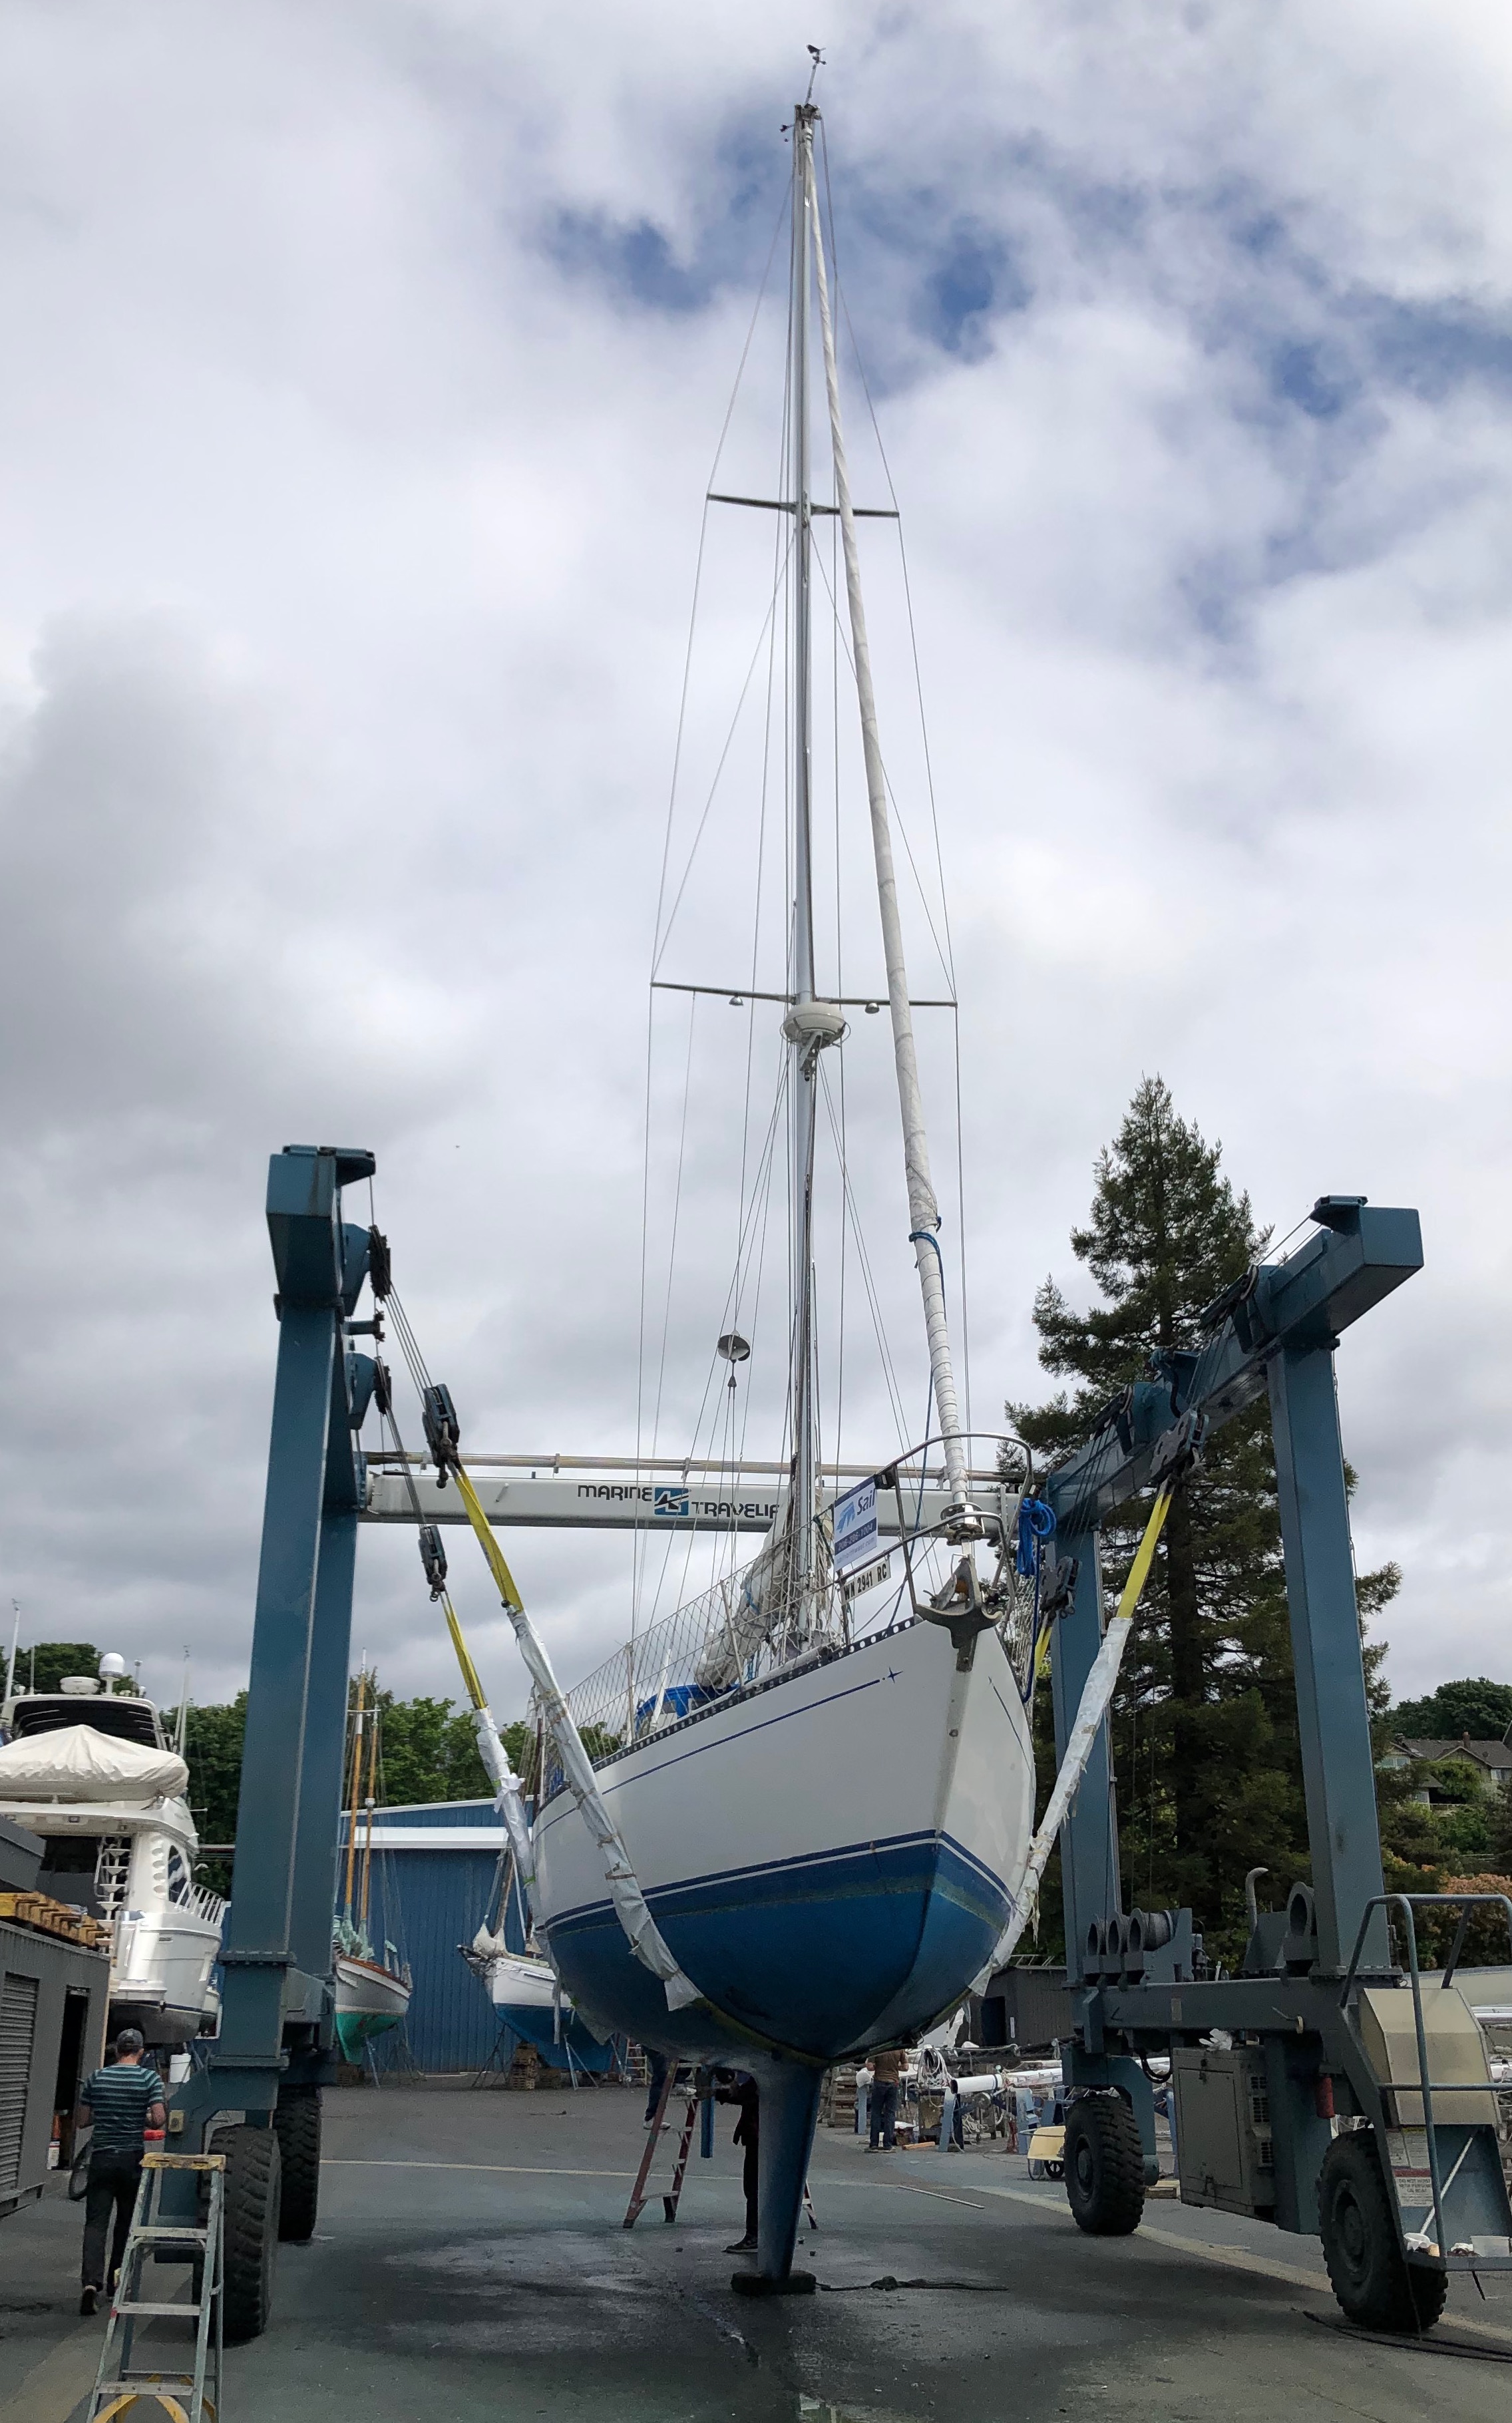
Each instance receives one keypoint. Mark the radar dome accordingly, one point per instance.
(112, 1668)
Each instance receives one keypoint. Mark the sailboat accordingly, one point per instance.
(372, 1992)
(523, 1986)
(804, 1838)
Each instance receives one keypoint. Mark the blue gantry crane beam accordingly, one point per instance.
(257, 2099)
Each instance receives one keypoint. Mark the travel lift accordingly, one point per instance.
(1327, 2088)
(1318, 2041)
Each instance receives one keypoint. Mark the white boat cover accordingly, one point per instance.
(78, 1764)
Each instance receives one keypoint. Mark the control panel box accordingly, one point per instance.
(1224, 2157)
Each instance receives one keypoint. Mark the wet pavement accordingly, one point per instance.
(470, 2263)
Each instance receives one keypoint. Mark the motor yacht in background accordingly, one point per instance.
(89, 1768)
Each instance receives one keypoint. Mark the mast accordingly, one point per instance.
(368, 1805)
(357, 1787)
(801, 1040)
(923, 1209)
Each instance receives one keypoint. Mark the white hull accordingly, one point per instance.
(365, 1989)
(830, 1857)
(518, 1983)
(164, 1929)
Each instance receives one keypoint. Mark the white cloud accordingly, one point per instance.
(366, 369)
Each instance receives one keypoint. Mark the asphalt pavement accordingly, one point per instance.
(471, 2262)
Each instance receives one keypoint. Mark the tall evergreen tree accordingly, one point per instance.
(1204, 1719)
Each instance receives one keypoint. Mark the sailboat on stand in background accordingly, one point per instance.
(372, 1994)
(524, 1988)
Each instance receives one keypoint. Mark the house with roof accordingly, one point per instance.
(1491, 1759)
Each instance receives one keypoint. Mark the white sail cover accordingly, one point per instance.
(78, 1764)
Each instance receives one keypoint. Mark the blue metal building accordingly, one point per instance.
(434, 1867)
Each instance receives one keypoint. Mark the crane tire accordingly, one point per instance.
(1104, 2166)
(253, 2196)
(297, 2122)
(1372, 2278)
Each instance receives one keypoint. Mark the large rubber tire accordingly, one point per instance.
(254, 2178)
(1371, 2276)
(1105, 2166)
(296, 2121)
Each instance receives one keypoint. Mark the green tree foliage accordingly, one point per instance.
(428, 1751)
(213, 1746)
(1478, 1707)
(1464, 1810)
(50, 1660)
(1204, 1719)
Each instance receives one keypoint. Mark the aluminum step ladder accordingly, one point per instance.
(659, 2126)
(183, 2395)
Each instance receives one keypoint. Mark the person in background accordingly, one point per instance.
(125, 2100)
(656, 2065)
(886, 2071)
(742, 2089)
(956, 2143)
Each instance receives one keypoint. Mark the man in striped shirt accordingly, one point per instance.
(126, 2100)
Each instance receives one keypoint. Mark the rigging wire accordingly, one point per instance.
(879, 1325)
(929, 765)
(898, 813)
(638, 1556)
(839, 975)
(677, 1213)
(719, 769)
(734, 1309)
(693, 612)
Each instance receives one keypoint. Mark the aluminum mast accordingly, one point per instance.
(803, 1042)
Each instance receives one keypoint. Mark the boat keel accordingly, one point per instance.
(789, 2109)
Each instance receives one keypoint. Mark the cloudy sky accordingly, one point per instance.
(364, 368)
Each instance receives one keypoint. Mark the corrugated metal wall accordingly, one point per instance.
(428, 1903)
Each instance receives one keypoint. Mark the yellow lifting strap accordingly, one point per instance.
(464, 1655)
(1132, 1590)
(1097, 1691)
(504, 1579)
(489, 1544)
(1144, 1557)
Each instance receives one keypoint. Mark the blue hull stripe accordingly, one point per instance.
(812, 1954)
(757, 1880)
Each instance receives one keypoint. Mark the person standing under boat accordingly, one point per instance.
(126, 2100)
(886, 2072)
(743, 2090)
